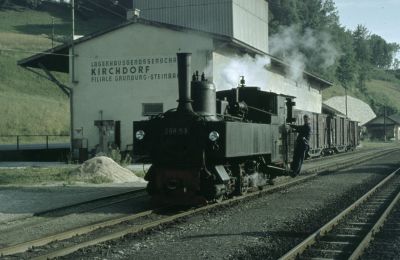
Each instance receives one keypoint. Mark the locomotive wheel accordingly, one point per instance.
(242, 184)
(219, 199)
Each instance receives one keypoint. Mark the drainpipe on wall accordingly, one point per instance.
(73, 81)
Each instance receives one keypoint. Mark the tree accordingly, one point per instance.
(330, 13)
(364, 74)
(382, 53)
(396, 64)
(361, 47)
(346, 69)
(3, 3)
(282, 13)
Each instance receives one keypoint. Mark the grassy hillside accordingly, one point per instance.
(385, 92)
(30, 104)
(379, 92)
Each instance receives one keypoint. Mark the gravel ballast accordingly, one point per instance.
(22, 202)
(386, 243)
(262, 228)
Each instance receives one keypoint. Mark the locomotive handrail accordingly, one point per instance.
(260, 110)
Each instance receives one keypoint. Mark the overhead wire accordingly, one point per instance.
(104, 8)
(34, 52)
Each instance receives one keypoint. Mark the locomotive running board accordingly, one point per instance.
(277, 170)
(222, 174)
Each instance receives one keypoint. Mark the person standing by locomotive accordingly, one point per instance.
(301, 146)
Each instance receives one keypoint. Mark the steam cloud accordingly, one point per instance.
(253, 69)
(290, 43)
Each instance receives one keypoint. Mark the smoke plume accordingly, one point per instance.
(296, 48)
(253, 70)
(301, 49)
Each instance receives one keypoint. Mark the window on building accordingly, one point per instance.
(152, 109)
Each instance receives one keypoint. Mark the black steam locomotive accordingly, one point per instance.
(215, 144)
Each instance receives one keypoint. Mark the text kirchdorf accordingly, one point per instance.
(140, 69)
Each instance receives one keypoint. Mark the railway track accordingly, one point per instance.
(74, 239)
(94, 204)
(65, 211)
(348, 234)
(386, 242)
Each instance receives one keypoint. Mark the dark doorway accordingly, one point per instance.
(117, 136)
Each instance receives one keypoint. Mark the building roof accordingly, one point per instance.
(330, 110)
(357, 109)
(396, 118)
(381, 120)
(57, 58)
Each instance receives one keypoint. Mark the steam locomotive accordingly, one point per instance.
(218, 144)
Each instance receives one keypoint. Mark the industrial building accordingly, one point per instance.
(384, 128)
(356, 109)
(129, 72)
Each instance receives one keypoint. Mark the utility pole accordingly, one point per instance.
(384, 123)
(72, 41)
(71, 96)
(345, 100)
(52, 32)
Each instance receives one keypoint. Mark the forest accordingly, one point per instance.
(345, 57)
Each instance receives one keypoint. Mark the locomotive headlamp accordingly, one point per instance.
(140, 134)
(213, 136)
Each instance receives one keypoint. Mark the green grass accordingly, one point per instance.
(33, 114)
(385, 92)
(19, 19)
(26, 176)
(377, 144)
(31, 104)
(335, 90)
(380, 91)
(32, 176)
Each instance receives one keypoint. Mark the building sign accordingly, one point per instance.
(133, 69)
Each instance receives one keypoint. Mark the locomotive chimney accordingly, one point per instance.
(184, 101)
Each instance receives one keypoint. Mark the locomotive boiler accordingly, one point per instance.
(214, 144)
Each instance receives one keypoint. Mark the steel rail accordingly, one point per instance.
(74, 205)
(345, 162)
(78, 204)
(22, 247)
(347, 153)
(147, 226)
(375, 229)
(170, 219)
(300, 248)
(319, 168)
(87, 229)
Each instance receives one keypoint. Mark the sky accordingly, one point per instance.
(381, 17)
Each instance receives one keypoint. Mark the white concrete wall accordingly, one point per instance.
(308, 98)
(121, 100)
(250, 22)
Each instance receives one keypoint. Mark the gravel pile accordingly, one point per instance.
(357, 109)
(105, 167)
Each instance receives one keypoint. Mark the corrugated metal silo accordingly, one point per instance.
(244, 20)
